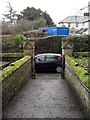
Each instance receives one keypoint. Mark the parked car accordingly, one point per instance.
(48, 62)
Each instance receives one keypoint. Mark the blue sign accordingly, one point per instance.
(56, 31)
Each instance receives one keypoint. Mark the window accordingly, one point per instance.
(57, 58)
(50, 57)
(40, 58)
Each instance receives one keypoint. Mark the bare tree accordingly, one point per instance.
(11, 14)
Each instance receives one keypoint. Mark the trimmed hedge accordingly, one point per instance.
(80, 42)
(79, 71)
(12, 67)
(83, 54)
(50, 44)
(11, 55)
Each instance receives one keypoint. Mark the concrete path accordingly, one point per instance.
(48, 96)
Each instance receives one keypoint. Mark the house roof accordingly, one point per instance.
(75, 19)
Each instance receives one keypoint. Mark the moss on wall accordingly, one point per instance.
(78, 90)
(14, 77)
(13, 66)
(79, 71)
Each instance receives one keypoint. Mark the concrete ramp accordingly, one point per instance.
(47, 96)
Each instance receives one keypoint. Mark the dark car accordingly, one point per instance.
(48, 62)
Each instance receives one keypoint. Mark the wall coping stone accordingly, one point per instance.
(13, 67)
(82, 74)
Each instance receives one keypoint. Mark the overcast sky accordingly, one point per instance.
(57, 9)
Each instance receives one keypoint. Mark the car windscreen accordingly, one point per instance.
(49, 57)
(40, 58)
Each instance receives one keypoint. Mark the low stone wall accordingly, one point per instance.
(13, 78)
(79, 89)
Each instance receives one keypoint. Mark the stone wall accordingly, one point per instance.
(79, 89)
(12, 83)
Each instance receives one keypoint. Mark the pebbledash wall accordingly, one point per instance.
(80, 90)
(13, 78)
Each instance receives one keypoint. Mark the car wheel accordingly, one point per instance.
(58, 69)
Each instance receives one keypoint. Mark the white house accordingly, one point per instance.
(79, 24)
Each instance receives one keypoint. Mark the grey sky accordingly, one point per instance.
(58, 9)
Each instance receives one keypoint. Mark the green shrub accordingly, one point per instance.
(83, 54)
(80, 57)
(80, 43)
(12, 43)
(18, 41)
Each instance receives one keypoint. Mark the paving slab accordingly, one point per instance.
(47, 96)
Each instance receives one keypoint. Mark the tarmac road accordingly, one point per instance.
(47, 96)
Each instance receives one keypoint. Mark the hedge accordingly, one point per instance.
(11, 43)
(11, 55)
(82, 74)
(83, 54)
(80, 43)
(50, 44)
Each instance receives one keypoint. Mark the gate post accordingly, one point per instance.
(29, 49)
(63, 67)
(67, 47)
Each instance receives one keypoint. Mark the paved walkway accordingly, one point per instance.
(48, 96)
